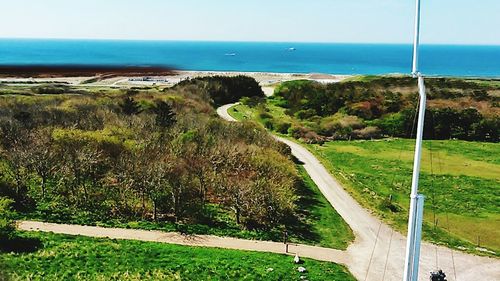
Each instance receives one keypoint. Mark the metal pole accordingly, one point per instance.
(414, 236)
(416, 201)
(418, 235)
(416, 39)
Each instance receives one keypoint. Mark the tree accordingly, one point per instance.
(487, 130)
(165, 116)
(443, 121)
(7, 226)
(467, 118)
(42, 158)
(24, 117)
(83, 168)
(17, 170)
(130, 107)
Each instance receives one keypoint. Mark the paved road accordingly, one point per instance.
(378, 251)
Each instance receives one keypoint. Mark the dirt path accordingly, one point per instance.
(378, 251)
(312, 252)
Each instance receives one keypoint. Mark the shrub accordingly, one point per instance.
(282, 127)
(252, 101)
(265, 115)
(7, 226)
(480, 95)
(388, 204)
(306, 134)
(305, 114)
(50, 90)
(340, 127)
(367, 133)
(268, 123)
(391, 125)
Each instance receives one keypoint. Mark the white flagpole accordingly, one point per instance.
(417, 201)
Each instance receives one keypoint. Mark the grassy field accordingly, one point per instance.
(461, 183)
(459, 179)
(59, 257)
(327, 228)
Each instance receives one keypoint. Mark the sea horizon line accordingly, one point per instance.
(242, 41)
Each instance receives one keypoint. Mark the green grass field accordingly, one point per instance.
(461, 183)
(61, 257)
(327, 228)
(459, 179)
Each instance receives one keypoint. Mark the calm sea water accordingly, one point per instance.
(267, 57)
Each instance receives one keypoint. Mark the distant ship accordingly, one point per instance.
(230, 54)
(292, 49)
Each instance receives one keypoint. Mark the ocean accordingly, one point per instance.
(442, 60)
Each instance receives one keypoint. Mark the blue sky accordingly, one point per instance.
(371, 21)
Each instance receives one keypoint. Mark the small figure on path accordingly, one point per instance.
(285, 239)
(438, 276)
(296, 259)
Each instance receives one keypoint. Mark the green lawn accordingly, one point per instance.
(61, 257)
(325, 227)
(461, 185)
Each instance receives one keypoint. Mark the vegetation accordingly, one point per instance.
(7, 227)
(459, 179)
(460, 183)
(375, 107)
(78, 258)
(223, 90)
(325, 226)
(156, 159)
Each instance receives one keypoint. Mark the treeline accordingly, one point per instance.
(442, 123)
(141, 156)
(223, 89)
(386, 107)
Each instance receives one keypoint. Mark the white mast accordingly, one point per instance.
(417, 200)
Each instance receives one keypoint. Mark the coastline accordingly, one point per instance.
(147, 79)
(263, 78)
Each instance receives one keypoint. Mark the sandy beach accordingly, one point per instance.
(265, 79)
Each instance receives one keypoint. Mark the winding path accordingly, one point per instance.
(378, 251)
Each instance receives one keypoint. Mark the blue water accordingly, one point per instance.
(446, 60)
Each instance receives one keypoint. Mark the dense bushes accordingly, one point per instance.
(153, 156)
(223, 90)
(385, 106)
(6, 223)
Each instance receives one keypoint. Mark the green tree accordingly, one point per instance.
(7, 226)
(165, 115)
(468, 117)
(130, 107)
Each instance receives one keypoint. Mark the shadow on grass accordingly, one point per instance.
(20, 245)
(297, 161)
(301, 227)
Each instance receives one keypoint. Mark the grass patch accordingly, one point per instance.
(461, 193)
(332, 231)
(80, 258)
